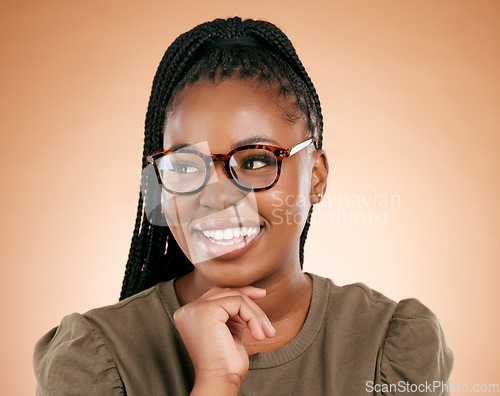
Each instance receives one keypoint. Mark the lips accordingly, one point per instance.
(226, 237)
(228, 248)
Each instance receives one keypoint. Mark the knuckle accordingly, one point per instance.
(180, 314)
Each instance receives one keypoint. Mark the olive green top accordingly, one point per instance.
(354, 341)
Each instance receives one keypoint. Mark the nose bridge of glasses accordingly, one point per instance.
(222, 160)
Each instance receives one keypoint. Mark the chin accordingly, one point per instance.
(230, 274)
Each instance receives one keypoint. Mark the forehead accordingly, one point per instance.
(225, 113)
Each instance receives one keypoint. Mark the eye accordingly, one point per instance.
(185, 168)
(255, 162)
(182, 164)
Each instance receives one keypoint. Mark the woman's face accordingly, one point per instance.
(215, 119)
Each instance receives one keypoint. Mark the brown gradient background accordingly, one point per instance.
(410, 94)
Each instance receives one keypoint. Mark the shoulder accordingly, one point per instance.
(144, 314)
(79, 355)
(73, 357)
(355, 298)
(355, 317)
(136, 307)
(404, 339)
(415, 350)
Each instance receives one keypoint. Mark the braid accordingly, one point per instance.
(131, 272)
(154, 254)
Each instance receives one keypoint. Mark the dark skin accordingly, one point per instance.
(225, 315)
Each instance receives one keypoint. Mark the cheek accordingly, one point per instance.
(287, 203)
(285, 209)
(177, 210)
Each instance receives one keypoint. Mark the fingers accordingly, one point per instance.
(237, 305)
(212, 328)
(250, 291)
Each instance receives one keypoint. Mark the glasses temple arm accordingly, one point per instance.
(300, 146)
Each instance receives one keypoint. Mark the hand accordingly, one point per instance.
(212, 329)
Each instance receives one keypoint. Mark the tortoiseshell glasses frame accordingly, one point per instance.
(279, 153)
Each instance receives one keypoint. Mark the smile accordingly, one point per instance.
(226, 234)
(230, 242)
(230, 236)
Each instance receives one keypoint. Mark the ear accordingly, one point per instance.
(319, 176)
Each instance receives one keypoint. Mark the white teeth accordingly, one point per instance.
(219, 234)
(228, 234)
(223, 237)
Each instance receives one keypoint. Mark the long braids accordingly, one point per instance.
(154, 254)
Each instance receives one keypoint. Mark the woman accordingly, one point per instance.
(217, 302)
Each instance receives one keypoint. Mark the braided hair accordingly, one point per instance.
(154, 254)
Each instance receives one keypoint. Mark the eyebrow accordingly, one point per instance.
(177, 146)
(253, 140)
(239, 143)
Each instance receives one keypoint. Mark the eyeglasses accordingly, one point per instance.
(253, 167)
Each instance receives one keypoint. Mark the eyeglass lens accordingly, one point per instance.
(186, 172)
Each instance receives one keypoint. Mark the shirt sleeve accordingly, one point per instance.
(72, 359)
(414, 358)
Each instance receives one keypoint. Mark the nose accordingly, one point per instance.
(220, 192)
